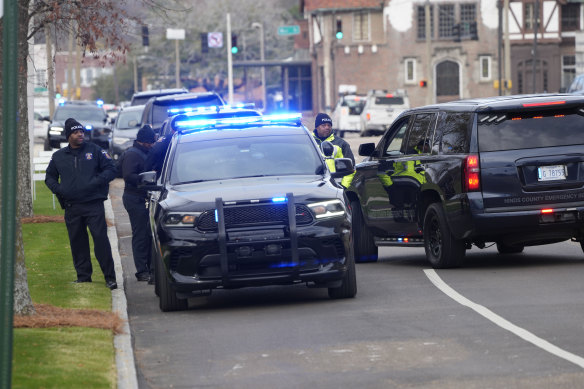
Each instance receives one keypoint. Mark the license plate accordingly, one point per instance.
(550, 173)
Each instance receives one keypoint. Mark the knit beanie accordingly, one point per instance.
(146, 134)
(72, 125)
(322, 118)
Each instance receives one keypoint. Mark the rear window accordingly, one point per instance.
(161, 112)
(80, 113)
(510, 131)
(384, 100)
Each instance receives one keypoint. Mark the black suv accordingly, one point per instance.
(158, 109)
(508, 170)
(90, 114)
(247, 203)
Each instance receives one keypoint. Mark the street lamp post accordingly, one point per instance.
(260, 26)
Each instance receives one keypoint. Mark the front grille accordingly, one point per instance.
(261, 214)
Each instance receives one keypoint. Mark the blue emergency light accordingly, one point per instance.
(195, 123)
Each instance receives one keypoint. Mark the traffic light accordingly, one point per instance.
(234, 48)
(339, 33)
(456, 32)
(423, 83)
(204, 42)
(145, 36)
(474, 35)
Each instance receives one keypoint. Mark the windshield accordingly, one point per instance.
(244, 157)
(81, 114)
(543, 129)
(385, 100)
(128, 120)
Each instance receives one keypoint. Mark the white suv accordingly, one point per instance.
(381, 108)
(346, 114)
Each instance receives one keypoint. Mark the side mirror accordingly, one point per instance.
(343, 167)
(366, 149)
(327, 149)
(147, 180)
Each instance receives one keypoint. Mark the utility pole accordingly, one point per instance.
(499, 45)
(507, 50)
(327, 61)
(78, 71)
(260, 26)
(229, 62)
(534, 50)
(430, 83)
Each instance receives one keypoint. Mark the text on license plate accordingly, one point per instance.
(549, 173)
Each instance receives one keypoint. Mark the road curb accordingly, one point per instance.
(125, 363)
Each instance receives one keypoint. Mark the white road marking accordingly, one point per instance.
(501, 322)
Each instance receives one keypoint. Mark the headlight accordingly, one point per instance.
(56, 130)
(184, 219)
(330, 208)
(121, 141)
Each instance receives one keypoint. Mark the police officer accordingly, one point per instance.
(156, 156)
(323, 131)
(134, 200)
(79, 175)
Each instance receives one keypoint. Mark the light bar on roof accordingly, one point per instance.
(176, 111)
(199, 123)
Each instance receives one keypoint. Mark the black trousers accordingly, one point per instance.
(141, 239)
(79, 217)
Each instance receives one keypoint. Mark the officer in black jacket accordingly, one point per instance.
(79, 175)
(134, 199)
(156, 156)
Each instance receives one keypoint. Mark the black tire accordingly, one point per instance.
(442, 249)
(582, 245)
(364, 248)
(348, 288)
(168, 300)
(506, 249)
(46, 144)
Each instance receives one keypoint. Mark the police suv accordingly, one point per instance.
(507, 170)
(247, 201)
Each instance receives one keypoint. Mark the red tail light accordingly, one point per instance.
(368, 116)
(547, 210)
(472, 173)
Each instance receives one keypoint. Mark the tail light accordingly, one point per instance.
(472, 173)
(368, 116)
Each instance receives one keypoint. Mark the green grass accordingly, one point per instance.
(61, 357)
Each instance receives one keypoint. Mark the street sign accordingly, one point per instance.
(215, 39)
(175, 33)
(289, 30)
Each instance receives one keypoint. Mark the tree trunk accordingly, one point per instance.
(22, 301)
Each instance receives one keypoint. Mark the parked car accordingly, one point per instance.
(260, 208)
(90, 114)
(346, 115)
(126, 128)
(380, 110)
(577, 85)
(508, 170)
(158, 109)
(141, 98)
(40, 125)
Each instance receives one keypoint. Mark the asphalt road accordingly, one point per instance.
(502, 321)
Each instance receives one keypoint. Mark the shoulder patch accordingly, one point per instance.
(88, 156)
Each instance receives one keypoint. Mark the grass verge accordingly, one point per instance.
(63, 356)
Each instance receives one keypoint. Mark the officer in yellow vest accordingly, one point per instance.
(323, 131)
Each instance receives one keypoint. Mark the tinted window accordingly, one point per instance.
(397, 134)
(452, 133)
(543, 129)
(243, 157)
(81, 114)
(417, 139)
(384, 100)
(128, 120)
(161, 112)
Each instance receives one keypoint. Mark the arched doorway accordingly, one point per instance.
(447, 81)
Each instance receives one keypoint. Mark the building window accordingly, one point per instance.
(410, 70)
(422, 22)
(529, 17)
(468, 15)
(485, 67)
(361, 26)
(568, 70)
(445, 20)
(571, 17)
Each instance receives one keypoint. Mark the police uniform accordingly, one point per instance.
(342, 148)
(80, 179)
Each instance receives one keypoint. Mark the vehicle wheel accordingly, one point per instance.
(364, 248)
(506, 249)
(348, 288)
(582, 245)
(46, 145)
(168, 300)
(442, 249)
